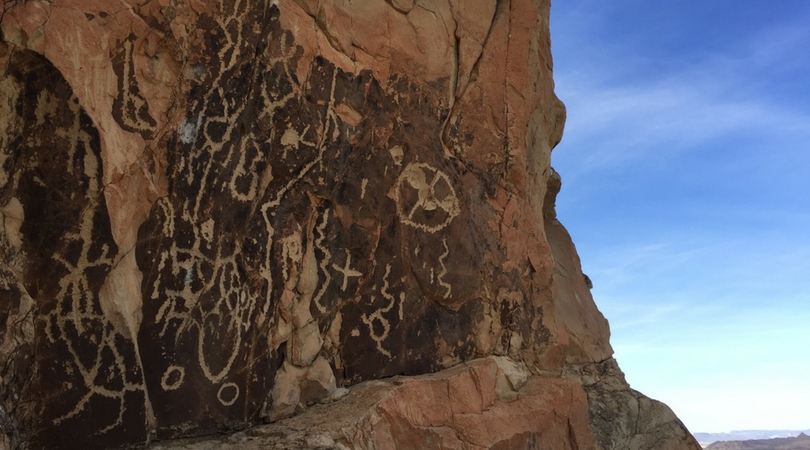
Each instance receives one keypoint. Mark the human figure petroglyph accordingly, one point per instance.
(63, 240)
(206, 290)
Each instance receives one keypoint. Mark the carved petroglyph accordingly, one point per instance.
(363, 186)
(425, 198)
(221, 318)
(324, 263)
(211, 303)
(329, 130)
(443, 272)
(228, 393)
(173, 378)
(347, 271)
(290, 137)
(244, 183)
(377, 318)
(130, 108)
(252, 134)
(78, 321)
(369, 319)
(56, 252)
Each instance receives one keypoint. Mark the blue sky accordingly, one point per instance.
(686, 187)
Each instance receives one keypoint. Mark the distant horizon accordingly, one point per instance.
(752, 431)
(747, 435)
(684, 166)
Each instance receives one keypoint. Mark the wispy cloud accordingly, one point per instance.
(654, 112)
(684, 176)
(630, 122)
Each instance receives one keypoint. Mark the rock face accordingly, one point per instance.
(219, 213)
(624, 418)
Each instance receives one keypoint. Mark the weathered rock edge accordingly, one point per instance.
(215, 214)
(485, 403)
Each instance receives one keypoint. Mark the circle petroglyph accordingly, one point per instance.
(425, 198)
(172, 378)
(228, 393)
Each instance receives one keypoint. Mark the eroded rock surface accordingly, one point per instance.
(473, 405)
(216, 214)
(622, 417)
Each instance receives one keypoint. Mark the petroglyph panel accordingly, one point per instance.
(279, 214)
(85, 381)
(309, 215)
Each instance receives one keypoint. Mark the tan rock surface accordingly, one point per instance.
(583, 326)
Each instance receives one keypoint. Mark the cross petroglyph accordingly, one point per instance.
(347, 270)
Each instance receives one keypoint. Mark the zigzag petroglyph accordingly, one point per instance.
(377, 315)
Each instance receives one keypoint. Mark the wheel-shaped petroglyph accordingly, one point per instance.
(425, 198)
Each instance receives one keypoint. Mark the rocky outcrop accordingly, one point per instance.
(486, 403)
(218, 213)
(623, 418)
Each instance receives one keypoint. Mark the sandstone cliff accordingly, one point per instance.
(222, 213)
